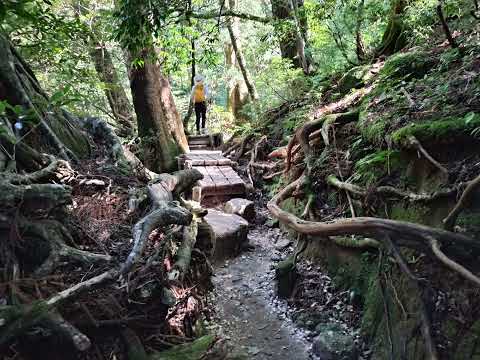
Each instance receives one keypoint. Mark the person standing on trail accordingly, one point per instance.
(199, 98)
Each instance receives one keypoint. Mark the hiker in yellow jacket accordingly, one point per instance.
(199, 97)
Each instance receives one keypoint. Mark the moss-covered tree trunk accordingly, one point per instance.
(45, 125)
(159, 125)
(292, 28)
(393, 38)
(117, 98)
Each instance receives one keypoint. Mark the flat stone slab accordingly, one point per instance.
(228, 232)
(242, 207)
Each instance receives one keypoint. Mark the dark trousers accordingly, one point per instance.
(200, 114)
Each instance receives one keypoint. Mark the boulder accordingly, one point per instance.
(227, 233)
(332, 343)
(242, 207)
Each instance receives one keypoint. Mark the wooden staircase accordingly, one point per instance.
(220, 181)
(205, 142)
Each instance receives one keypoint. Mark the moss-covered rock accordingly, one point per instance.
(285, 275)
(355, 78)
(413, 64)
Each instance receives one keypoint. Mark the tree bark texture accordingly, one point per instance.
(159, 123)
(293, 37)
(117, 98)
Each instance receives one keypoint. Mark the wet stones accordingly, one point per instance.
(227, 233)
(332, 343)
(242, 207)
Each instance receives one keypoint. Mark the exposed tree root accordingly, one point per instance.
(389, 191)
(189, 235)
(304, 135)
(413, 142)
(17, 319)
(243, 147)
(410, 235)
(451, 218)
(253, 158)
(424, 314)
(467, 274)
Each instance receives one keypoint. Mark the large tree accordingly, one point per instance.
(159, 124)
(291, 27)
(232, 26)
(160, 127)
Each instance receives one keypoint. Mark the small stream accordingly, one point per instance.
(248, 313)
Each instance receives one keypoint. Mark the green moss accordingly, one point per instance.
(195, 350)
(293, 206)
(373, 308)
(372, 127)
(414, 64)
(286, 276)
(410, 213)
(437, 131)
(376, 165)
(355, 78)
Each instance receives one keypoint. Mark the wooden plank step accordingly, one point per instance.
(199, 147)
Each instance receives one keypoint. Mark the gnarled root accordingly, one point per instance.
(410, 235)
(388, 191)
(305, 134)
(17, 319)
(451, 218)
(413, 142)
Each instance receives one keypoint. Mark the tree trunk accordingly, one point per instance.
(159, 125)
(117, 98)
(120, 105)
(48, 127)
(292, 41)
(393, 38)
(232, 26)
(237, 92)
(300, 34)
(192, 83)
(360, 46)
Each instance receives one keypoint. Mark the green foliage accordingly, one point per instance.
(407, 65)
(376, 165)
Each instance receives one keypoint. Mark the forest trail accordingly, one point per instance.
(248, 311)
